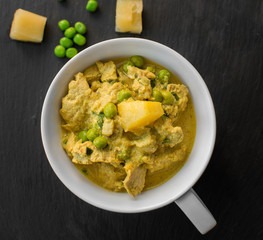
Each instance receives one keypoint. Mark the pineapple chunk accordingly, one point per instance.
(139, 114)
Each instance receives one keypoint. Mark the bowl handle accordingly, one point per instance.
(194, 208)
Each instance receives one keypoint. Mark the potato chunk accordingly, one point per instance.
(27, 26)
(129, 16)
(139, 114)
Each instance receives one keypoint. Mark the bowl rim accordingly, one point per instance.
(211, 110)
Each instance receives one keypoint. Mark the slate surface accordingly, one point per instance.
(221, 38)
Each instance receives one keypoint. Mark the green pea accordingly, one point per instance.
(110, 110)
(92, 5)
(63, 24)
(151, 69)
(126, 64)
(79, 39)
(60, 51)
(164, 76)
(71, 52)
(80, 27)
(66, 42)
(157, 95)
(168, 98)
(83, 136)
(100, 142)
(124, 155)
(92, 134)
(137, 61)
(70, 32)
(123, 95)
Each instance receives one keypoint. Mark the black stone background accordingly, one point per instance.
(221, 38)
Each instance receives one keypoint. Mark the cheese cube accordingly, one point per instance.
(138, 114)
(129, 16)
(27, 26)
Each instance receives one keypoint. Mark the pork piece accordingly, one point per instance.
(169, 135)
(107, 71)
(92, 74)
(108, 176)
(108, 127)
(164, 159)
(142, 86)
(87, 153)
(142, 83)
(135, 179)
(105, 94)
(180, 92)
(69, 142)
(134, 72)
(146, 143)
(123, 78)
(75, 104)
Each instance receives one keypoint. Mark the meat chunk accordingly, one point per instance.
(142, 86)
(181, 92)
(169, 135)
(108, 176)
(92, 74)
(164, 159)
(107, 71)
(75, 104)
(135, 179)
(134, 72)
(123, 78)
(69, 142)
(146, 143)
(105, 94)
(87, 153)
(108, 127)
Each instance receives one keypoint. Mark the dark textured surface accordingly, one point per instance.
(221, 38)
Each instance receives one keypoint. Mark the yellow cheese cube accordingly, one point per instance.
(27, 26)
(129, 16)
(138, 114)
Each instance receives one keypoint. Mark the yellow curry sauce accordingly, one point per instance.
(152, 153)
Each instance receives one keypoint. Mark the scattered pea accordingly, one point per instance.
(92, 5)
(137, 61)
(60, 51)
(70, 32)
(124, 94)
(80, 27)
(168, 98)
(83, 136)
(63, 24)
(110, 110)
(71, 52)
(164, 76)
(66, 42)
(157, 95)
(125, 65)
(100, 142)
(79, 39)
(92, 134)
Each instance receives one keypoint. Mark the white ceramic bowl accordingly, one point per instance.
(157, 197)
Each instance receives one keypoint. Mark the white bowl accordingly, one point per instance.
(176, 186)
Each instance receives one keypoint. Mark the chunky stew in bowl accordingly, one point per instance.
(128, 124)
